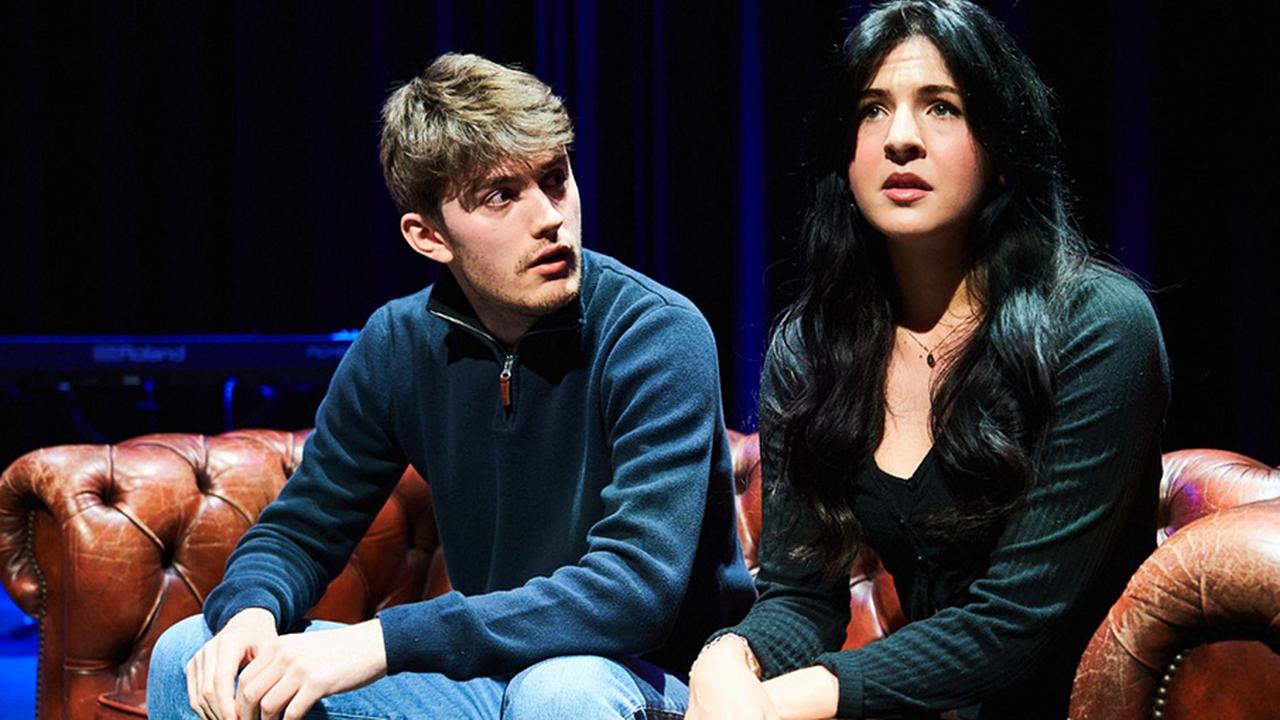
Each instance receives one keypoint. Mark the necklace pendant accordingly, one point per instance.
(929, 359)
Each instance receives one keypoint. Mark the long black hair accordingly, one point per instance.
(991, 405)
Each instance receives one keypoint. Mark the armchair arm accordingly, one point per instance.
(1216, 580)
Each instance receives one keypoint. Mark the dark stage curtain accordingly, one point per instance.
(212, 167)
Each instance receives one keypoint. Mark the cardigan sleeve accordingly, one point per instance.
(1108, 412)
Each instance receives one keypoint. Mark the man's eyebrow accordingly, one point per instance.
(504, 177)
(488, 182)
(558, 159)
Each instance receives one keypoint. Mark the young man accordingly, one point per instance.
(566, 412)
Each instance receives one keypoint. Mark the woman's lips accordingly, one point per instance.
(904, 194)
(905, 187)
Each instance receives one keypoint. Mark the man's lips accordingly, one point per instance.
(905, 187)
(553, 260)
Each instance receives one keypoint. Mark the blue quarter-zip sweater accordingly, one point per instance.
(591, 513)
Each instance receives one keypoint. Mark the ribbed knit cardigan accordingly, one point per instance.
(1001, 639)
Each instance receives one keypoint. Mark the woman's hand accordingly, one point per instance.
(722, 684)
(809, 694)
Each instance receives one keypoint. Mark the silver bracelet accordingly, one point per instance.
(752, 663)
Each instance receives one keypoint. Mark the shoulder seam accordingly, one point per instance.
(639, 280)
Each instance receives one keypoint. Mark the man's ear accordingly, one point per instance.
(425, 237)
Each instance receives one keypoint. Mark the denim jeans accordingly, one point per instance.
(577, 686)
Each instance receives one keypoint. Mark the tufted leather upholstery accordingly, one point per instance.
(1202, 482)
(1197, 631)
(110, 545)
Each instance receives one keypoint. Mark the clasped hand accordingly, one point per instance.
(722, 686)
(282, 676)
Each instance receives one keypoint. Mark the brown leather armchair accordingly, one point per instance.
(107, 546)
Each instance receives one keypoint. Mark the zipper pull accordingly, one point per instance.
(504, 382)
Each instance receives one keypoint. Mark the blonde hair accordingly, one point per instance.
(463, 116)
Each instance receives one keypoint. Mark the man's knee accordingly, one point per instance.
(580, 685)
(179, 643)
(166, 676)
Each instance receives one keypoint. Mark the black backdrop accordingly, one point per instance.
(211, 167)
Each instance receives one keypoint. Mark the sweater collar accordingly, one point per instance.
(449, 302)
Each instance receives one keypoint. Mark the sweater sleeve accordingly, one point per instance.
(1112, 393)
(800, 612)
(349, 467)
(660, 403)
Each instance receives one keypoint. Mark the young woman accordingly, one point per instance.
(958, 386)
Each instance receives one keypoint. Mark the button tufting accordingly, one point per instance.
(204, 483)
(166, 556)
(109, 492)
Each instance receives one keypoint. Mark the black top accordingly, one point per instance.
(928, 575)
(995, 632)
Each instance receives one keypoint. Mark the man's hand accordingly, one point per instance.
(293, 672)
(212, 672)
(722, 685)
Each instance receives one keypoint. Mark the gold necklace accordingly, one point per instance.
(928, 351)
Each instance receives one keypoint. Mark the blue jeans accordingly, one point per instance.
(577, 686)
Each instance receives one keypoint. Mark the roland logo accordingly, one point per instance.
(130, 354)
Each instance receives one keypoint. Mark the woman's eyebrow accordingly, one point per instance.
(937, 90)
(932, 89)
